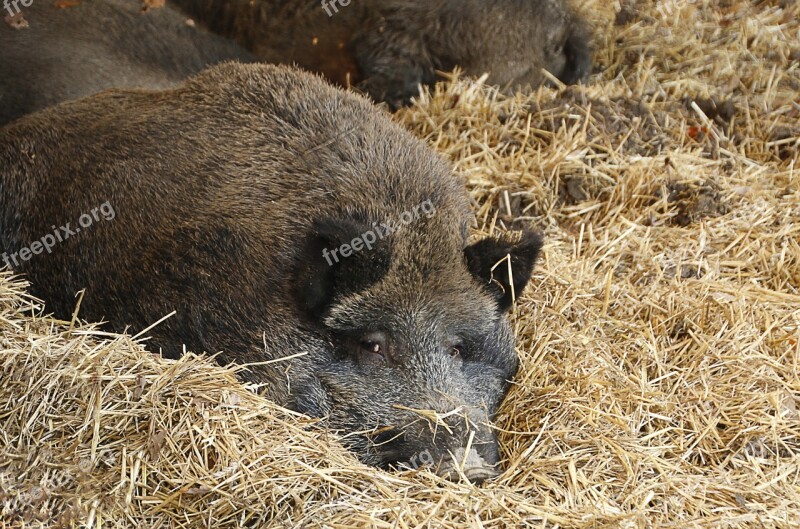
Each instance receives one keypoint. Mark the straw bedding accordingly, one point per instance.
(659, 340)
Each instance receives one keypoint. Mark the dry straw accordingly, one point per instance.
(659, 341)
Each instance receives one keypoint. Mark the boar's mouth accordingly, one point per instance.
(475, 475)
(389, 445)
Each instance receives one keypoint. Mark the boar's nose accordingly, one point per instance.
(482, 461)
(578, 54)
(475, 467)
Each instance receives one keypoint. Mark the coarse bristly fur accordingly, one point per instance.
(385, 48)
(69, 53)
(390, 47)
(227, 193)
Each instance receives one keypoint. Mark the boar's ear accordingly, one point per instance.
(485, 254)
(325, 272)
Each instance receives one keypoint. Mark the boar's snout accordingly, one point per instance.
(464, 445)
(475, 468)
(577, 57)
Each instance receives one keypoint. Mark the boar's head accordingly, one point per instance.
(512, 41)
(545, 34)
(420, 351)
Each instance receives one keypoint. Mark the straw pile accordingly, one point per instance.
(659, 384)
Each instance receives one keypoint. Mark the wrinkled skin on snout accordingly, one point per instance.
(231, 193)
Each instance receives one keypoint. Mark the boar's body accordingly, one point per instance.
(227, 191)
(385, 47)
(73, 52)
(390, 47)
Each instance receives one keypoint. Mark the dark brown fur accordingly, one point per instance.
(389, 47)
(226, 191)
(80, 50)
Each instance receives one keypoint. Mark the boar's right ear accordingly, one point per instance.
(485, 254)
(325, 272)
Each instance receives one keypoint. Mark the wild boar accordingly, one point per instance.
(385, 47)
(291, 226)
(390, 47)
(73, 52)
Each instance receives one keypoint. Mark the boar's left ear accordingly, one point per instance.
(485, 254)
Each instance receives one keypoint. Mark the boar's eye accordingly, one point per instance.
(457, 349)
(556, 49)
(372, 348)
